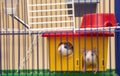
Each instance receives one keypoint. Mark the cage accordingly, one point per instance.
(59, 38)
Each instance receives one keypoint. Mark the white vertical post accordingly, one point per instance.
(28, 12)
(73, 7)
(28, 16)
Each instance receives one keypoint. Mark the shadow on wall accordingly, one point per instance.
(81, 9)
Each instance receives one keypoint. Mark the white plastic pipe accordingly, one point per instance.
(10, 6)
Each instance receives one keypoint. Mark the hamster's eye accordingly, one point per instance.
(66, 46)
(92, 54)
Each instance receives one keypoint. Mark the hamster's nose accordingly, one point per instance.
(88, 59)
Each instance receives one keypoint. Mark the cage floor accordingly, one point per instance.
(48, 73)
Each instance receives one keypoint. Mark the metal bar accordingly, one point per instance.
(103, 41)
(83, 1)
(79, 38)
(77, 29)
(3, 22)
(38, 57)
(51, 16)
(109, 38)
(6, 43)
(43, 56)
(48, 4)
(73, 12)
(18, 39)
(91, 36)
(51, 10)
(52, 22)
(21, 21)
(25, 36)
(0, 49)
(84, 63)
(60, 29)
(28, 10)
(0, 43)
(32, 54)
(13, 42)
(38, 53)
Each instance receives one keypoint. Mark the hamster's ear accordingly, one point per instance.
(83, 50)
(95, 50)
(60, 43)
(69, 44)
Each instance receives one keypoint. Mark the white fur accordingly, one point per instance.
(90, 57)
(63, 50)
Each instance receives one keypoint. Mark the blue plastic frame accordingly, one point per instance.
(117, 10)
(117, 50)
(117, 37)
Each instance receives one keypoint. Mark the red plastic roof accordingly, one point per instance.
(98, 20)
(102, 20)
(71, 33)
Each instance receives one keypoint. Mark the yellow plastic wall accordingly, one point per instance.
(70, 63)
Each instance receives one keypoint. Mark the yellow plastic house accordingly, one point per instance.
(79, 40)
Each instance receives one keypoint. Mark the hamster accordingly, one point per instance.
(90, 57)
(65, 48)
